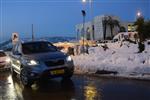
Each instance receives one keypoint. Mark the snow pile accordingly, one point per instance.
(124, 59)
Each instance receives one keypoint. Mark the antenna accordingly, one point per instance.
(32, 33)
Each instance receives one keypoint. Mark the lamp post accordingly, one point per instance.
(32, 33)
(139, 14)
(83, 14)
(92, 22)
(83, 1)
(91, 15)
(139, 23)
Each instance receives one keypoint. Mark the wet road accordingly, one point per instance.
(79, 88)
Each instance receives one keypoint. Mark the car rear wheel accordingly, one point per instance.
(13, 73)
(25, 79)
(67, 76)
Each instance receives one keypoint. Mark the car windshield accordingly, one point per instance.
(2, 54)
(38, 47)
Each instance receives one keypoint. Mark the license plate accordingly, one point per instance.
(56, 72)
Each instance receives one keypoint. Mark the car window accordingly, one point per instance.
(38, 47)
(2, 54)
(19, 48)
(15, 49)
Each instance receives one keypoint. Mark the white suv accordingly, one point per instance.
(4, 60)
(39, 60)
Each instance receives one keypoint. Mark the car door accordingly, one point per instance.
(16, 56)
(2, 59)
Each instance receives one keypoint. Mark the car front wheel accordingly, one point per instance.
(13, 73)
(68, 75)
(25, 79)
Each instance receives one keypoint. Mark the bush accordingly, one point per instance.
(141, 47)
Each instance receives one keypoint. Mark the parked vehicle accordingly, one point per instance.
(39, 59)
(4, 60)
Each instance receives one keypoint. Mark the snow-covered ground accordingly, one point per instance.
(125, 60)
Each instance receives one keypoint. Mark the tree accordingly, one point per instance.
(143, 29)
(122, 29)
(105, 23)
(146, 30)
(136, 37)
(112, 23)
(140, 30)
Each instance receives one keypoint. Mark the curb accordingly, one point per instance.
(4, 69)
(112, 76)
(121, 77)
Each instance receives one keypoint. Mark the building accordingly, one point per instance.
(94, 30)
(133, 36)
(129, 26)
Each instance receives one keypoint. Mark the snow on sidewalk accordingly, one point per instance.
(125, 60)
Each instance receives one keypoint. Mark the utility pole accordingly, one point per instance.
(92, 20)
(32, 33)
(83, 14)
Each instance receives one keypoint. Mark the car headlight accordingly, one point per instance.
(31, 62)
(7, 60)
(69, 58)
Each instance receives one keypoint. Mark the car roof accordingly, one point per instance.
(1, 50)
(37, 41)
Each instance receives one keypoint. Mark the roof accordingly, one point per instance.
(34, 41)
(1, 50)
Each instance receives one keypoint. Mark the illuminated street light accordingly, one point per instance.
(92, 23)
(83, 1)
(83, 14)
(139, 14)
(91, 13)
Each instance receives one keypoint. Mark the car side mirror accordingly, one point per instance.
(60, 48)
(18, 54)
(55, 48)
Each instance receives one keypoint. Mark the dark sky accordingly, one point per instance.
(59, 17)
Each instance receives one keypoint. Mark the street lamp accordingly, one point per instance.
(83, 1)
(32, 33)
(139, 14)
(83, 14)
(92, 22)
(91, 13)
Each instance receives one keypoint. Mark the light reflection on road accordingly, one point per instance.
(81, 87)
(7, 88)
(52, 89)
(10, 90)
(91, 92)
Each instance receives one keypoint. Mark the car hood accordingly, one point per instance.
(46, 56)
(2, 59)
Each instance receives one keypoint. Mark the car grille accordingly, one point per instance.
(54, 62)
(2, 61)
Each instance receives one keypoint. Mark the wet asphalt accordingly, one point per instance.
(80, 87)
